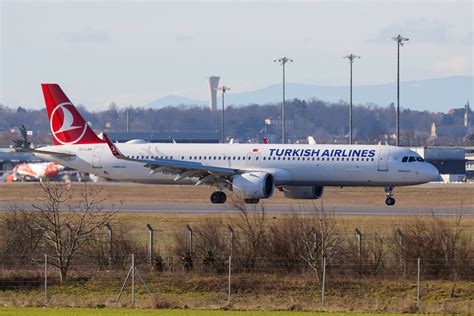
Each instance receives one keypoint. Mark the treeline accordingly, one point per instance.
(327, 122)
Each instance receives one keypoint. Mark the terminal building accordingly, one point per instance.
(469, 152)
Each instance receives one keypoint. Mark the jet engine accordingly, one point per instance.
(253, 185)
(303, 192)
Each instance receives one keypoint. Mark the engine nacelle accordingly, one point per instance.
(253, 185)
(303, 192)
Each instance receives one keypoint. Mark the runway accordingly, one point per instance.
(208, 208)
(135, 198)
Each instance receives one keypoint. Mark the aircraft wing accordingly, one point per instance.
(59, 154)
(183, 169)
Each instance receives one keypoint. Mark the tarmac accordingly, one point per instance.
(208, 208)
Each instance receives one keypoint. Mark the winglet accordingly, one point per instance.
(113, 148)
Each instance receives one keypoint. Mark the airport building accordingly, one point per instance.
(469, 152)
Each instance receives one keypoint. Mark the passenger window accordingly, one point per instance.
(405, 159)
(264, 158)
(411, 159)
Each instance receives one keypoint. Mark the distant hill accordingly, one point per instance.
(434, 95)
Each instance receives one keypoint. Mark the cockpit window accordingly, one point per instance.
(411, 159)
(405, 159)
(419, 159)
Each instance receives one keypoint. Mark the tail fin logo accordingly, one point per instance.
(66, 124)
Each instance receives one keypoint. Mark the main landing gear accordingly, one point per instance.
(218, 197)
(390, 200)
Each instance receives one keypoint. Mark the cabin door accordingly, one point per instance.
(96, 155)
(383, 159)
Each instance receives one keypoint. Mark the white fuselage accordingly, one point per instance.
(291, 165)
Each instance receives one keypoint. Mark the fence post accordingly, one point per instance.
(109, 230)
(230, 274)
(69, 235)
(323, 281)
(418, 283)
(399, 235)
(152, 246)
(446, 241)
(190, 239)
(359, 241)
(45, 279)
(133, 280)
(232, 239)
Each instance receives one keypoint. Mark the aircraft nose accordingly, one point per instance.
(432, 173)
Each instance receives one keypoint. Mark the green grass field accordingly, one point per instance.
(135, 312)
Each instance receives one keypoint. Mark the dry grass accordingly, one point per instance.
(257, 292)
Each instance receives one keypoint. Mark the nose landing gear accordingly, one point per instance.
(390, 200)
(218, 197)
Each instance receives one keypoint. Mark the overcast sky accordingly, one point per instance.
(135, 52)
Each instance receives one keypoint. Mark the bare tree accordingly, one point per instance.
(251, 232)
(66, 221)
(317, 239)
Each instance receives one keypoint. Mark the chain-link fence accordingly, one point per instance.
(134, 279)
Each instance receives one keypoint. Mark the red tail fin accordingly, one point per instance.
(67, 125)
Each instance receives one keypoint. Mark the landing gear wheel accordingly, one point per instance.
(390, 201)
(223, 197)
(218, 197)
(251, 201)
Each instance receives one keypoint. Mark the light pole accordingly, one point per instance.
(399, 39)
(283, 61)
(224, 89)
(351, 58)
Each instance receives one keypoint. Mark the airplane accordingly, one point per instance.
(251, 171)
(36, 171)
